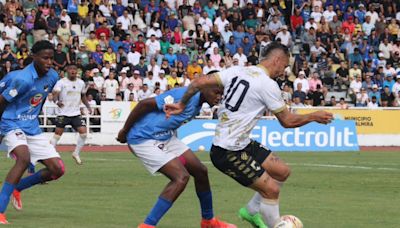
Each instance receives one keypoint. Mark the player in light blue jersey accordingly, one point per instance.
(152, 138)
(21, 102)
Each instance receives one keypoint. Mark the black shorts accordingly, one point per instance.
(75, 122)
(244, 166)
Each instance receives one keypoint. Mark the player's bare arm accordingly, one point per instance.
(195, 86)
(142, 108)
(291, 120)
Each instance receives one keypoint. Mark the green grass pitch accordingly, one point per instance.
(348, 190)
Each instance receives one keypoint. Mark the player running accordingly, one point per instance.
(248, 93)
(20, 104)
(152, 138)
(68, 94)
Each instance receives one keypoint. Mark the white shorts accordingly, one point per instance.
(155, 154)
(39, 145)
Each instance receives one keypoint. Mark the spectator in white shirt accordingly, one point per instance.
(144, 92)
(153, 48)
(111, 87)
(311, 23)
(242, 58)
(12, 32)
(155, 30)
(125, 21)
(205, 22)
(284, 36)
(162, 81)
(329, 13)
(221, 22)
(130, 93)
(396, 86)
(150, 81)
(301, 79)
(133, 56)
(373, 103)
(97, 78)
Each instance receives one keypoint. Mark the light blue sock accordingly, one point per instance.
(206, 205)
(5, 194)
(159, 209)
(29, 181)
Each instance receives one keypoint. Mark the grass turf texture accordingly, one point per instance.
(114, 190)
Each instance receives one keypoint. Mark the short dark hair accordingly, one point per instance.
(266, 51)
(42, 45)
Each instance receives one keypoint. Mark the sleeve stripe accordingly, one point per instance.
(276, 111)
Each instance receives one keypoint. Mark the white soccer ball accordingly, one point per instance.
(202, 148)
(289, 221)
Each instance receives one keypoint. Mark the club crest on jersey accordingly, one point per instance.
(169, 99)
(36, 100)
(13, 93)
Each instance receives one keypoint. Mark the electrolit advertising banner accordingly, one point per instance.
(340, 135)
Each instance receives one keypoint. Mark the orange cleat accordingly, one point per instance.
(145, 226)
(3, 219)
(216, 223)
(16, 200)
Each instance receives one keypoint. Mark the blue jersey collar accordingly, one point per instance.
(32, 70)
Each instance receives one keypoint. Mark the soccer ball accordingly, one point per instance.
(202, 148)
(289, 221)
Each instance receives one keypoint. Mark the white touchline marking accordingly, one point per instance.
(343, 166)
(293, 164)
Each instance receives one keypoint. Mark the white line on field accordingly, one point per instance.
(293, 164)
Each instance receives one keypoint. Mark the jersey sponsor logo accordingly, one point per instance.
(13, 93)
(25, 117)
(36, 100)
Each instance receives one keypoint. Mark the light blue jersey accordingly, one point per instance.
(155, 125)
(25, 92)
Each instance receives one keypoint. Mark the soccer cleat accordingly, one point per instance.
(3, 219)
(255, 220)
(77, 158)
(143, 225)
(215, 223)
(16, 200)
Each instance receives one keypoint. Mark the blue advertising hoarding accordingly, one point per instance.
(338, 136)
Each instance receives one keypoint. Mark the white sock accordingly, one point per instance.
(55, 139)
(80, 143)
(269, 210)
(253, 206)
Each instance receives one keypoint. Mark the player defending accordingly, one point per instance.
(68, 94)
(248, 93)
(20, 104)
(152, 138)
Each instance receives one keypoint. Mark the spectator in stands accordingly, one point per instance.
(144, 92)
(111, 87)
(387, 97)
(342, 104)
(375, 93)
(373, 103)
(389, 82)
(297, 102)
(332, 102)
(355, 87)
(396, 86)
(302, 80)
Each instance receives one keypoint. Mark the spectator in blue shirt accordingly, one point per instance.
(171, 57)
(231, 46)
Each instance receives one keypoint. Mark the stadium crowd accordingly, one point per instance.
(131, 50)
